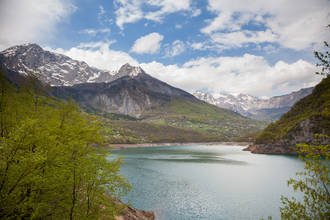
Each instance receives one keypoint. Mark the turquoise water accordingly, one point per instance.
(207, 182)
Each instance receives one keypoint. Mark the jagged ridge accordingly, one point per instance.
(250, 106)
(57, 69)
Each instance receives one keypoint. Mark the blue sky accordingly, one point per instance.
(259, 47)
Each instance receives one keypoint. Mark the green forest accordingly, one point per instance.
(52, 164)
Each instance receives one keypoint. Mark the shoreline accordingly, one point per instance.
(123, 146)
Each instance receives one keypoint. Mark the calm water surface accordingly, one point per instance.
(207, 182)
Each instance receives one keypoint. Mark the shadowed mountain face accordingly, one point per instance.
(133, 93)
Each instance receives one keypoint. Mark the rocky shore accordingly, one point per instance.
(130, 213)
(270, 149)
(122, 146)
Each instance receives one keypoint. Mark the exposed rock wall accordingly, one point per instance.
(304, 132)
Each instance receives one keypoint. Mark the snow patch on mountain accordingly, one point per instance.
(254, 107)
(57, 69)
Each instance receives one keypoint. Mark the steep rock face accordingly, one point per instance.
(303, 133)
(51, 68)
(309, 116)
(132, 94)
(254, 107)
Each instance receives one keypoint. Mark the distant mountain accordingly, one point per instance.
(309, 116)
(253, 107)
(130, 91)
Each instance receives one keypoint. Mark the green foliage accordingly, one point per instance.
(51, 162)
(203, 117)
(316, 105)
(324, 59)
(314, 183)
(146, 132)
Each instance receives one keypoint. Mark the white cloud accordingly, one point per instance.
(239, 38)
(128, 12)
(248, 74)
(131, 11)
(94, 32)
(297, 24)
(148, 44)
(197, 46)
(237, 75)
(98, 54)
(175, 49)
(103, 17)
(196, 12)
(31, 20)
(178, 26)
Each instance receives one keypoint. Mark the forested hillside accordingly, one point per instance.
(309, 116)
(51, 162)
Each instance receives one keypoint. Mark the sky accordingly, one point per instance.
(257, 47)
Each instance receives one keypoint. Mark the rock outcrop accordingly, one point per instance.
(131, 94)
(130, 213)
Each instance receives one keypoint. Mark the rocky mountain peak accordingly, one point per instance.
(128, 70)
(254, 107)
(52, 68)
(57, 69)
(21, 49)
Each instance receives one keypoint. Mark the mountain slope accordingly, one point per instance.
(133, 93)
(309, 116)
(253, 107)
(52, 68)
(126, 94)
(153, 101)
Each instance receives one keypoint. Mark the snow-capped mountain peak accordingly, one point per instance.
(254, 107)
(57, 69)
(129, 70)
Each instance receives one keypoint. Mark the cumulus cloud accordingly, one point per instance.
(240, 38)
(248, 74)
(31, 20)
(149, 44)
(98, 54)
(196, 12)
(130, 11)
(94, 32)
(175, 49)
(294, 24)
(237, 75)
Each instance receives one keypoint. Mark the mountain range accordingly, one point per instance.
(139, 100)
(269, 109)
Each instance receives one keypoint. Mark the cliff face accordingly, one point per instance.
(304, 132)
(309, 116)
(131, 94)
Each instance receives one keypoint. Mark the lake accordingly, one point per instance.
(207, 182)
